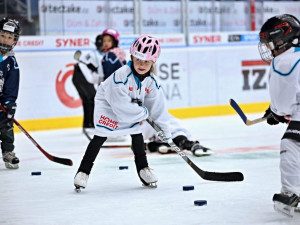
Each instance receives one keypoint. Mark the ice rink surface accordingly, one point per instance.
(116, 196)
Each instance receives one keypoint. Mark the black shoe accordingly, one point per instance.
(289, 199)
(286, 203)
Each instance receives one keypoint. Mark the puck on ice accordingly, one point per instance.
(36, 173)
(123, 167)
(200, 202)
(188, 188)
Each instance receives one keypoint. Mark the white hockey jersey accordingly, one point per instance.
(94, 57)
(114, 112)
(285, 84)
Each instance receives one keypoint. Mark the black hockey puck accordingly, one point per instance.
(188, 188)
(200, 202)
(123, 167)
(36, 173)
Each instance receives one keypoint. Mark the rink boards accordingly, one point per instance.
(197, 80)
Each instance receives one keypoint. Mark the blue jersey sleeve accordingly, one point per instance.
(110, 64)
(11, 79)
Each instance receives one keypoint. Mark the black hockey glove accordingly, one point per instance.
(6, 124)
(137, 101)
(92, 67)
(10, 109)
(274, 119)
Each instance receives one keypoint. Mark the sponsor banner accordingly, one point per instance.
(218, 74)
(162, 17)
(172, 73)
(58, 16)
(224, 38)
(71, 17)
(44, 43)
(227, 16)
(58, 43)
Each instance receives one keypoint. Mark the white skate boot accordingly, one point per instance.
(11, 160)
(80, 180)
(147, 177)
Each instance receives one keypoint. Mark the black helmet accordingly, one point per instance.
(278, 34)
(9, 26)
(98, 41)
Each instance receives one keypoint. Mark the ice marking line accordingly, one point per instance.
(218, 151)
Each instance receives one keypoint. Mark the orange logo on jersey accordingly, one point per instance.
(147, 90)
(108, 122)
(130, 88)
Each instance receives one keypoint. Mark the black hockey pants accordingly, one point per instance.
(87, 94)
(7, 141)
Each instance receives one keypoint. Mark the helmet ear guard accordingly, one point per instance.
(98, 42)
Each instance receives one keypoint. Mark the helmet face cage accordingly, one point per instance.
(265, 52)
(9, 26)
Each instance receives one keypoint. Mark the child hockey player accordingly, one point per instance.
(117, 112)
(180, 137)
(9, 87)
(279, 42)
(96, 66)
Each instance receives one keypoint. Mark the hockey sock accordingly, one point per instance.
(138, 149)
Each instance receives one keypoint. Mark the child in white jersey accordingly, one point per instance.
(94, 67)
(279, 47)
(117, 112)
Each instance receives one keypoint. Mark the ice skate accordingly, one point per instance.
(286, 203)
(147, 177)
(11, 160)
(80, 181)
(199, 150)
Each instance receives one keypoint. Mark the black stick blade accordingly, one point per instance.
(216, 176)
(63, 161)
(227, 177)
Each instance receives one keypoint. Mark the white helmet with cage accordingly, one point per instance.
(9, 34)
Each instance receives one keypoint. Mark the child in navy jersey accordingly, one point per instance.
(9, 87)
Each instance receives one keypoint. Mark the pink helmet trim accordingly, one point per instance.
(146, 48)
(112, 32)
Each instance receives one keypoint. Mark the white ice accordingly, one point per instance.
(116, 196)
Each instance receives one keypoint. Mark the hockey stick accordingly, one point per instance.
(77, 55)
(64, 161)
(213, 176)
(239, 111)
